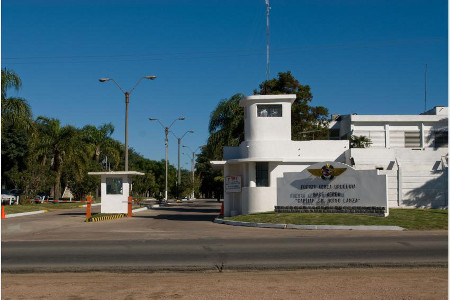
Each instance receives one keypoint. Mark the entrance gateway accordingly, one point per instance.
(270, 172)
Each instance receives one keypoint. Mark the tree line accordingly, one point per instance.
(39, 155)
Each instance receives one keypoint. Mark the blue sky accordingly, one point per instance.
(365, 57)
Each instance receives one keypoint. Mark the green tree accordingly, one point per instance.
(226, 125)
(17, 130)
(211, 184)
(15, 111)
(65, 148)
(100, 139)
(308, 122)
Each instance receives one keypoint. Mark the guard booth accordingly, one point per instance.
(115, 190)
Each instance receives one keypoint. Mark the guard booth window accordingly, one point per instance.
(262, 174)
(114, 186)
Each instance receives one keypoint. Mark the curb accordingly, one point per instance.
(114, 216)
(139, 209)
(308, 227)
(104, 218)
(95, 204)
(25, 213)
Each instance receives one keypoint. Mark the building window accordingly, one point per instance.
(113, 186)
(440, 139)
(412, 139)
(269, 110)
(262, 174)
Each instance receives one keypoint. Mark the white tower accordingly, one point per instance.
(267, 117)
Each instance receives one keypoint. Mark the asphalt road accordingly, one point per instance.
(183, 237)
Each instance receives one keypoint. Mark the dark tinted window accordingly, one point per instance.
(262, 174)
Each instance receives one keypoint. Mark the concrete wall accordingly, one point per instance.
(254, 199)
(311, 151)
(416, 178)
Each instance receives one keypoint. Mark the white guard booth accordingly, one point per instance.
(115, 190)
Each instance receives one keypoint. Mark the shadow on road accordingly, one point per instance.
(73, 214)
(188, 209)
(183, 217)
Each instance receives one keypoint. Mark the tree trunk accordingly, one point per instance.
(58, 171)
(57, 186)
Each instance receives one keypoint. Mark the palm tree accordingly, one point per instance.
(226, 125)
(15, 111)
(360, 141)
(64, 146)
(100, 139)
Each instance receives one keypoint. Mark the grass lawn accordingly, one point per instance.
(14, 209)
(413, 219)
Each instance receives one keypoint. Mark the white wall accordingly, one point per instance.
(312, 151)
(112, 204)
(388, 131)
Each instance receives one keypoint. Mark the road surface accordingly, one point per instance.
(183, 237)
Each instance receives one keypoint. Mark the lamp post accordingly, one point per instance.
(179, 170)
(166, 140)
(127, 100)
(192, 167)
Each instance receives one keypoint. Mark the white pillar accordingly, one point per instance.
(387, 137)
(422, 136)
(252, 174)
(226, 196)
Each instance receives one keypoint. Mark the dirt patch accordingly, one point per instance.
(426, 283)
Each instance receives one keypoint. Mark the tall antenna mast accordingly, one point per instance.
(426, 71)
(268, 39)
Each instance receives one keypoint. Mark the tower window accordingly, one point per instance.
(270, 110)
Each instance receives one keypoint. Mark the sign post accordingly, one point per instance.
(233, 184)
(88, 207)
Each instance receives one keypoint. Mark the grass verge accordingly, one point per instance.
(15, 209)
(412, 219)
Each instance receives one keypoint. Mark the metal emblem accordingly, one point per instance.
(327, 172)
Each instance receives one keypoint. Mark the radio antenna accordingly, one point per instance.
(268, 39)
(426, 71)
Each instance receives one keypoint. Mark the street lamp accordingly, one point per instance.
(179, 170)
(166, 131)
(192, 167)
(127, 100)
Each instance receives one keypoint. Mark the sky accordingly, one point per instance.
(358, 56)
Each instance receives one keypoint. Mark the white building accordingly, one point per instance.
(411, 149)
(267, 152)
